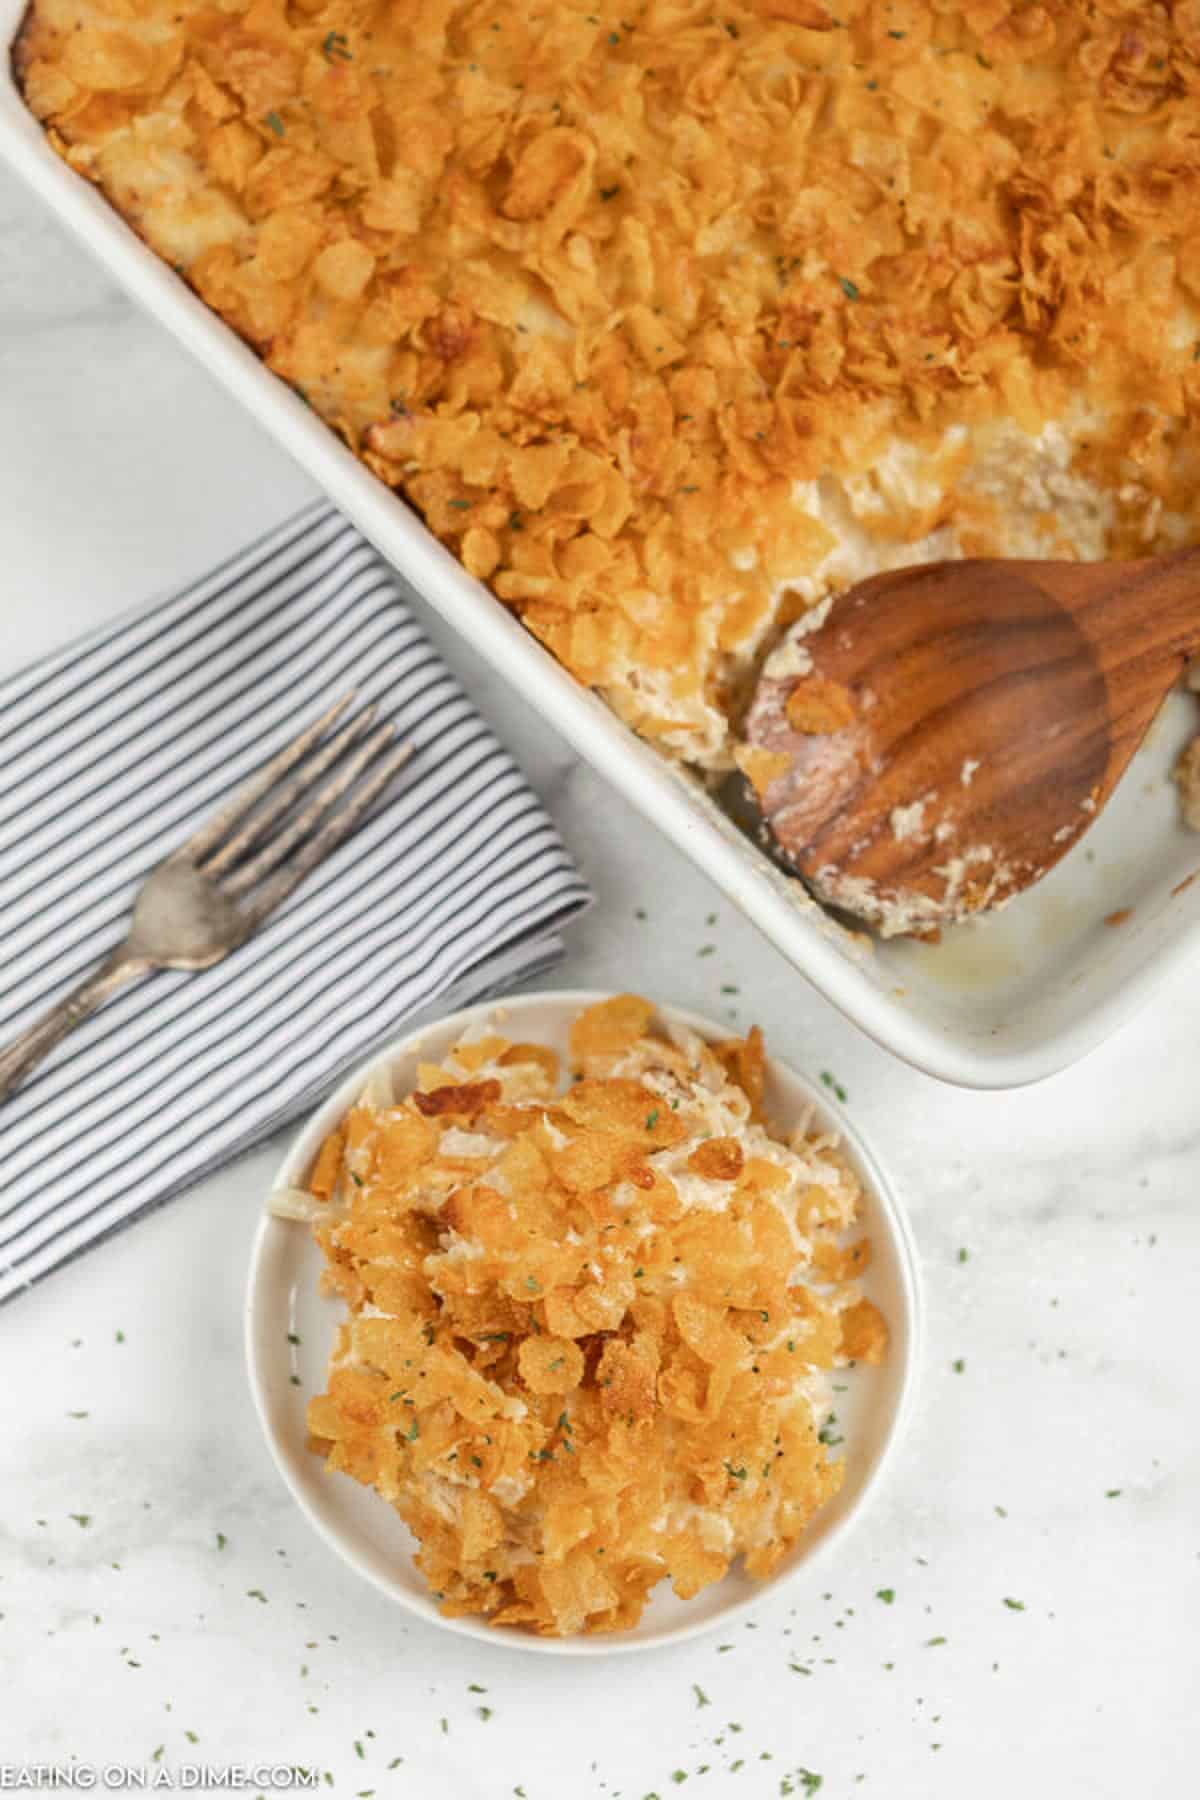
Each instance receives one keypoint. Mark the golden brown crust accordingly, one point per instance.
(596, 287)
(21, 50)
(571, 1385)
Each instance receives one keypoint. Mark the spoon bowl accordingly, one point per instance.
(946, 732)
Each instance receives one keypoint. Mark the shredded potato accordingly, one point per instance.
(651, 308)
(587, 1329)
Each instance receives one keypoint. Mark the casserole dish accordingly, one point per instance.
(1004, 1001)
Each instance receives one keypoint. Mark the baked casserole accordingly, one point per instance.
(590, 1332)
(670, 319)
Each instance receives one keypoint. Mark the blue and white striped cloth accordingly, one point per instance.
(112, 751)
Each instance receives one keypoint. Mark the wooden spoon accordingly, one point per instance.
(948, 731)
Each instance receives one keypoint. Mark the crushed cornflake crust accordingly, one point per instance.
(588, 1330)
(670, 320)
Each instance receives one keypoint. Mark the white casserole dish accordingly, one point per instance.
(1005, 1001)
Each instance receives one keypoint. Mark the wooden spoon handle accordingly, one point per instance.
(1146, 611)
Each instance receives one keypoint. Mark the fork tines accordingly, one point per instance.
(221, 848)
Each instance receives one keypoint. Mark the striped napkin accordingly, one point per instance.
(112, 751)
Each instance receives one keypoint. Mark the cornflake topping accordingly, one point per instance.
(640, 305)
(586, 1329)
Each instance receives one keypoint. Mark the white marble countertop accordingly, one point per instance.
(195, 1618)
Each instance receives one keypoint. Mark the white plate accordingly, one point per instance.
(282, 1303)
(1005, 1001)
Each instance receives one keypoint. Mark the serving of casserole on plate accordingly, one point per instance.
(605, 1314)
(671, 322)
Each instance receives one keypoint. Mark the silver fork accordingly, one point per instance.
(211, 894)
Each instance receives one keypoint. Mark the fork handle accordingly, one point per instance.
(53, 1026)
